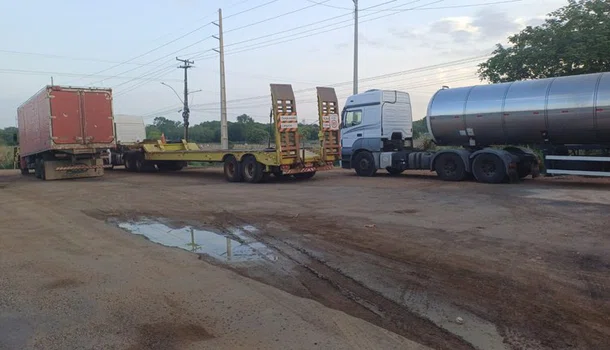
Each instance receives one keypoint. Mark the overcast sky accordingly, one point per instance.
(131, 47)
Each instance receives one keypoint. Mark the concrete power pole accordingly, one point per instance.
(224, 134)
(355, 46)
(186, 64)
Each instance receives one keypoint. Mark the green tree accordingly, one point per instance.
(245, 119)
(172, 129)
(152, 132)
(256, 135)
(574, 39)
(419, 128)
(309, 131)
(8, 136)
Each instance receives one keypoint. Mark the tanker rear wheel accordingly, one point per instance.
(450, 167)
(489, 168)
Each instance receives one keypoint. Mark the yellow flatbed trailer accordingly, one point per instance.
(287, 158)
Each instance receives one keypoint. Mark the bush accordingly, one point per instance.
(6, 157)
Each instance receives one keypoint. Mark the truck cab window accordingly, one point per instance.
(352, 118)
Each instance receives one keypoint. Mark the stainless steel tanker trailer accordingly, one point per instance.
(486, 130)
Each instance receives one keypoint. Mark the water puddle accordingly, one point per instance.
(233, 246)
(479, 332)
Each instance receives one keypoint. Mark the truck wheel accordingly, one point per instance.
(450, 167)
(489, 168)
(364, 163)
(130, 164)
(175, 166)
(232, 169)
(43, 176)
(25, 171)
(524, 169)
(37, 171)
(252, 170)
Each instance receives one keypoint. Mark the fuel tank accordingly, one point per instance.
(564, 110)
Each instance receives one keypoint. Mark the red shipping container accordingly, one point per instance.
(60, 122)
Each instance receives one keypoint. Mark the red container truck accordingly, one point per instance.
(62, 131)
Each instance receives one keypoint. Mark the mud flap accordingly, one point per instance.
(65, 169)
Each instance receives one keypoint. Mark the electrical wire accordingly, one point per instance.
(176, 39)
(274, 17)
(378, 77)
(61, 74)
(429, 8)
(143, 83)
(309, 34)
(250, 9)
(398, 10)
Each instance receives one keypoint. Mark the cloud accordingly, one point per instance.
(484, 29)
(376, 43)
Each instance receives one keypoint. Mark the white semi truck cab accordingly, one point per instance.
(377, 133)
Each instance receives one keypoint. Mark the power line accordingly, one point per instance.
(374, 6)
(378, 77)
(326, 20)
(276, 17)
(309, 34)
(198, 56)
(155, 73)
(176, 39)
(153, 50)
(252, 8)
(428, 8)
(398, 9)
(160, 58)
(64, 74)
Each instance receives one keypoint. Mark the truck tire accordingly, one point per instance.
(450, 167)
(364, 163)
(176, 166)
(489, 168)
(252, 170)
(232, 170)
(130, 164)
(25, 171)
(37, 167)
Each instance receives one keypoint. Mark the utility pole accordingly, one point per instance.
(224, 134)
(186, 64)
(355, 46)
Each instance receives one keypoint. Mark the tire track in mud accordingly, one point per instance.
(374, 307)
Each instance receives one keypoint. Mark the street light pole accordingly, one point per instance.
(175, 92)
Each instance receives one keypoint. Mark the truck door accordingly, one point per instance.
(65, 117)
(351, 129)
(97, 117)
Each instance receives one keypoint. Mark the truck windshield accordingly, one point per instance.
(352, 118)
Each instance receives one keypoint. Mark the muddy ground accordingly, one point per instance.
(334, 262)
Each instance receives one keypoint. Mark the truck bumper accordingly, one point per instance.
(60, 169)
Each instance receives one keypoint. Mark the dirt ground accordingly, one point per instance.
(407, 262)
